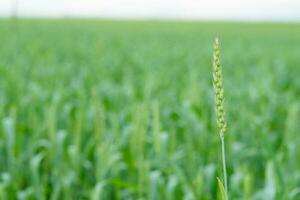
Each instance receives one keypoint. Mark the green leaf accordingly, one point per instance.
(222, 190)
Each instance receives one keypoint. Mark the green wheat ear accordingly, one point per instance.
(219, 105)
(219, 90)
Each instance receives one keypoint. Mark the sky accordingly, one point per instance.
(250, 10)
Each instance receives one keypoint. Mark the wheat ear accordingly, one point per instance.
(219, 105)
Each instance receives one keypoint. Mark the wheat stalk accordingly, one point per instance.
(219, 105)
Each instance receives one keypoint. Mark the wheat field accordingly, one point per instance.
(125, 110)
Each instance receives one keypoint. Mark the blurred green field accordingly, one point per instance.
(125, 110)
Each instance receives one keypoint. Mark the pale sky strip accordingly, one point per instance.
(282, 10)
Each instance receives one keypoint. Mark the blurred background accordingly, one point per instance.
(113, 99)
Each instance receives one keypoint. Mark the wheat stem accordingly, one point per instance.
(224, 167)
